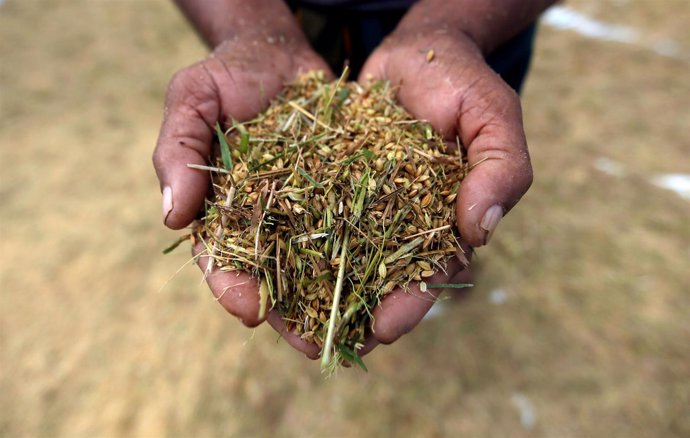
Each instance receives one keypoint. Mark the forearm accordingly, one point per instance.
(220, 20)
(488, 22)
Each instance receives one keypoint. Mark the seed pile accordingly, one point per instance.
(333, 197)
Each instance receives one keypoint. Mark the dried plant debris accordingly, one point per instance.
(333, 197)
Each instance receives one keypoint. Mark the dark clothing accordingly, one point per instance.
(360, 5)
(512, 59)
(345, 35)
(346, 32)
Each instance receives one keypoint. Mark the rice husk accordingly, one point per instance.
(333, 197)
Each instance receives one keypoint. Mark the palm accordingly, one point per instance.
(236, 82)
(443, 78)
(465, 100)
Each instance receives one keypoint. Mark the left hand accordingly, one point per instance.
(462, 97)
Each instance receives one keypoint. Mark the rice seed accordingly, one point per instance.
(338, 198)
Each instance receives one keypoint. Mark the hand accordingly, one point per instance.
(237, 80)
(442, 78)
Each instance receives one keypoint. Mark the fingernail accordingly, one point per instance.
(490, 221)
(167, 203)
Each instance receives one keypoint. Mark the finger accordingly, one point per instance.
(312, 351)
(490, 126)
(192, 108)
(401, 310)
(373, 68)
(237, 292)
(370, 342)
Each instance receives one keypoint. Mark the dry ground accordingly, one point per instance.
(593, 334)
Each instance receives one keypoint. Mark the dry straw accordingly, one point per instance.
(333, 197)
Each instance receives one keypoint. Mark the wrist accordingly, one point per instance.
(262, 42)
(255, 56)
(438, 30)
(487, 23)
(278, 32)
(217, 21)
(433, 41)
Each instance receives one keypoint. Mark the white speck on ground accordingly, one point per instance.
(609, 167)
(498, 296)
(676, 182)
(565, 18)
(528, 417)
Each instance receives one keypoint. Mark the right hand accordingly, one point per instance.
(236, 81)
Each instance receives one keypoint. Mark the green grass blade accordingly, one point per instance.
(224, 148)
(244, 138)
(352, 356)
(449, 286)
(309, 178)
(175, 244)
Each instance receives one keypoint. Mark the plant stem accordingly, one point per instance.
(330, 335)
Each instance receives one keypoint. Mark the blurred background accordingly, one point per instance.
(579, 324)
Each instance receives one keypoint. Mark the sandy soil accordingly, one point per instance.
(578, 326)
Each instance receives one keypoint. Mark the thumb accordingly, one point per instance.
(490, 126)
(192, 108)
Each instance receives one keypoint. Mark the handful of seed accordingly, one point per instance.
(333, 197)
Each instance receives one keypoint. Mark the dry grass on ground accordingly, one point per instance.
(592, 334)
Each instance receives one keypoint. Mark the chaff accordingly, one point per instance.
(333, 197)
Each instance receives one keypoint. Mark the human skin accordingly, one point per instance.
(466, 101)
(258, 47)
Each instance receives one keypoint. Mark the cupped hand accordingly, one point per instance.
(443, 78)
(454, 89)
(236, 81)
